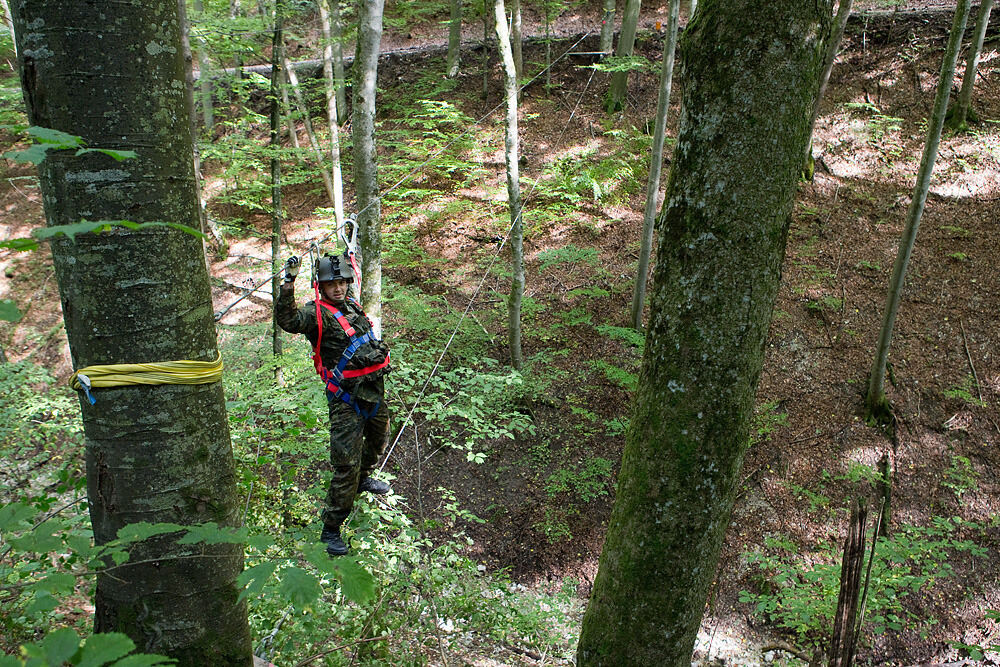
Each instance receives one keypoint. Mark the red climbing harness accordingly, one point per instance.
(333, 377)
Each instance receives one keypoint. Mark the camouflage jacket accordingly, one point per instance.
(303, 320)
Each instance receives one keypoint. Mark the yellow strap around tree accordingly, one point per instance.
(166, 372)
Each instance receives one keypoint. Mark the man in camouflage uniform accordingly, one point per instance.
(359, 422)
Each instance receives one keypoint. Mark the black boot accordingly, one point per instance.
(372, 485)
(334, 542)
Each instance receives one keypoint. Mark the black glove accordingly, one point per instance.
(292, 268)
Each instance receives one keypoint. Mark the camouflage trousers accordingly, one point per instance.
(356, 445)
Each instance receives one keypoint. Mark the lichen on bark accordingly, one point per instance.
(750, 72)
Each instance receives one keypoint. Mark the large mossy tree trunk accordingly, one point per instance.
(751, 71)
(513, 190)
(153, 453)
(365, 166)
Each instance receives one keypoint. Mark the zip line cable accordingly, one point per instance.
(257, 286)
(520, 215)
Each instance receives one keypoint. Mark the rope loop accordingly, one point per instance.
(165, 372)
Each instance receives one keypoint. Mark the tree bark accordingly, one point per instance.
(964, 102)
(877, 407)
(655, 164)
(204, 77)
(365, 166)
(156, 453)
(513, 190)
(750, 84)
(277, 59)
(300, 100)
(844, 640)
(515, 38)
(331, 116)
(608, 26)
(839, 23)
(454, 39)
(340, 83)
(626, 42)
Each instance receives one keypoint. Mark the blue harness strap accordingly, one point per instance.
(332, 378)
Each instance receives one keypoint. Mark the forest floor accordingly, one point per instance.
(547, 496)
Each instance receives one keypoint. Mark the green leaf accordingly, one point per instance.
(135, 532)
(115, 154)
(254, 578)
(103, 648)
(60, 645)
(15, 513)
(82, 227)
(55, 138)
(34, 154)
(299, 587)
(357, 583)
(210, 533)
(57, 583)
(20, 245)
(43, 602)
(10, 661)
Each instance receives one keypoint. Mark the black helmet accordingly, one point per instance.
(334, 267)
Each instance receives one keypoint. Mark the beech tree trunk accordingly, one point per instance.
(960, 115)
(608, 26)
(204, 76)
(751, 70)
(843, 13)
(626, 42)
(877, 406)
(303, 106)
(655, 164)
(365, 167)
(156, 453)
(336, 175)
(515, 38)
(340, 83)
(277, 58)
(513, 191)
(454, 39)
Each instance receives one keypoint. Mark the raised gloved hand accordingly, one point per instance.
(292, 267)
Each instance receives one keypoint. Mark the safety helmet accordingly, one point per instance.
(334, 267)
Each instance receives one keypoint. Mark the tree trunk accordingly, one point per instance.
(960, 114)
(286, 104)
(235, 11)
(843, 13)
(692, 8)
(750, 84)
(454, 39)
(844, 640)
(9, 22)
(655, 164)
(206, 225)
(626, 41)
(340, 83)
(487, 48)
(608, 26)
(324, 173)
(331, 116)
(515, 39)
(513, 190)
(204, 77)
(156, 453)
(365, 167)
(877, 406)
(277, 58)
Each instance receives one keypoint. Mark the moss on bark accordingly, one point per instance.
(751, 72)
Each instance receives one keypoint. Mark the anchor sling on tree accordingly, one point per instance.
(352, 363)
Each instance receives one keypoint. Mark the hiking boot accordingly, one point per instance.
(372, 485)
(334, 543)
